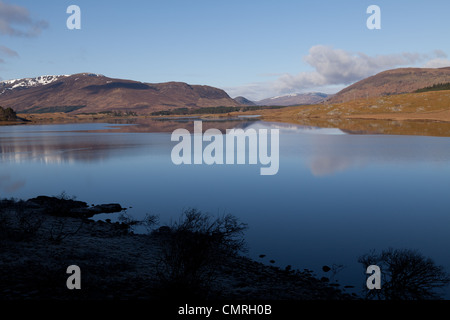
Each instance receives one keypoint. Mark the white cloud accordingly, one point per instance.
(440, 61)
(437, 63)
(337, 68)
(16, 21)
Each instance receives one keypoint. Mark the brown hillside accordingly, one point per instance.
(426, 113)
(391, 82)
(89, 93)
(430, 106)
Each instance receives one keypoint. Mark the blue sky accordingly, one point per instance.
(252, 48)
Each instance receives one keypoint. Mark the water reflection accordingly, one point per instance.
(336, 195)
(63, 149)
(325, 151)
(331, 154)
(70, 143)
(10, 185)
(169, 124)
(324, 166)
(369, 126)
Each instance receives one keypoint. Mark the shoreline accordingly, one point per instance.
(116, 263)
(432, 123)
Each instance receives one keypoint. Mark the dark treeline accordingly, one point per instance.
(114, 113)
(211, 110)
(7, 114)
(436, 87)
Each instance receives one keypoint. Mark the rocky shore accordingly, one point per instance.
(41, 237)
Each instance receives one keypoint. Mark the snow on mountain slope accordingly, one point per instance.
(28, 82)
(294, 99)
(36, 81)
(94, 93)
(31, 82)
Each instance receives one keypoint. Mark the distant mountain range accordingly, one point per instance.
(244, 101)
(294, 99)
(93, 93)
(390, 82)
(286, 100)
(412, 95)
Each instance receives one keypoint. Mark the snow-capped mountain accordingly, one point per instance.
(30, 82)
(294, 99)
(93, 93)
(35, 82)
(289, 95)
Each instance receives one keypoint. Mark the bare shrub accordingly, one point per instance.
(128, 222)
(61, 229)
(193, 250)
(406, 275)
(150, 221)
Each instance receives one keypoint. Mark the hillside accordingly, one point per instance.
(93, 93)
(433, 105)
(392, 82)
(293, 99)
(426, 113)
(244, 101)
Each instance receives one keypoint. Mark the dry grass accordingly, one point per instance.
(61, 117)
(425, 113)
(433, 106)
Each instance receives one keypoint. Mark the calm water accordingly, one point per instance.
(336, 196)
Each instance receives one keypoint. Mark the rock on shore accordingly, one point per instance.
(38, 243)
(69, 207)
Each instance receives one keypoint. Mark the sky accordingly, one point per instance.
(255, 49)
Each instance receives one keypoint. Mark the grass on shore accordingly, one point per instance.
(432, 106)
(424, 113)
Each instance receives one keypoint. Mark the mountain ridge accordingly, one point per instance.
(286, 100)
(293, 99)
(94, 93)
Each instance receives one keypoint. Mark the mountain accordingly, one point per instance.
(93, 93)
(391, 82)
(244, 101)
(294, 99)
(398, 101)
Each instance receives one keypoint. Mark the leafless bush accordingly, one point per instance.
(406, 275)
(16, 223)
(62, 206)
(130, 223)
(150, 221)
(61, 229)
(26, 224)
(195, 246)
